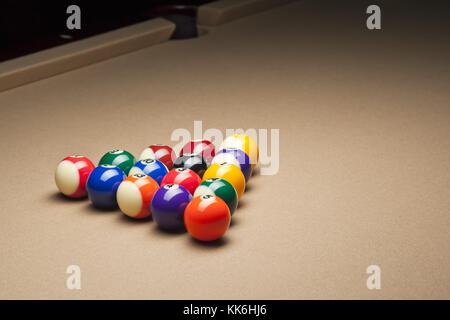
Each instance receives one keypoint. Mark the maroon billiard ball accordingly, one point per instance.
(205, 148)
(160, 152)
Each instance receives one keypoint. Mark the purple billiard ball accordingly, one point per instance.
(168, 206)
(237, 157)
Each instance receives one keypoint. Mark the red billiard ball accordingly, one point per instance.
(205, 148)
(160, 152)
(183, 177)
(71, 175)
(207, 218)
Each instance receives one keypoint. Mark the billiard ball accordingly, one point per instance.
(167, 206)
(191, 161)
(121, 158)
(160, 152)
(229, 172)
(220, 188)
(184, 177)
(236, 157)
(204, 148)
(102, 185)
(207, 218)
(244, 143)
(153, 168)
(71, 175)
(135, 194)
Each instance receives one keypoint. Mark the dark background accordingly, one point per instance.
(29, 26)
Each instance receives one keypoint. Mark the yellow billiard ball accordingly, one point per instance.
(244, 143)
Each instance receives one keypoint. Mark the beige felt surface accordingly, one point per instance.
(364, 174)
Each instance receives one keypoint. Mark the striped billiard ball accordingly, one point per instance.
(245, 143)
(135, 194)
(220, 188)
(71, 175)
(153, 168)
(160, 152)
(204, 148)
(102, 186)
(237, 157)
(120, 158)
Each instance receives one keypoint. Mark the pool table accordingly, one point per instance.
(364, 148)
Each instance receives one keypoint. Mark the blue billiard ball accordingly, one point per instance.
(102, 186)
(236, 157)
(153, 168)
(168, 206)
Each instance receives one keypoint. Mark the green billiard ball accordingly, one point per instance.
(121, 158)
(220, 188)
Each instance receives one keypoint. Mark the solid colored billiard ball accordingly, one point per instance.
(220, 188)
(102, 186)
(191, 161)
(120, 158)
(229, 172)
(167, 206)
(71, 175)
(244, 143)
(153, 168)
(135, 194)
(204, 148)
(160, 152)
(236, 157)
(207, 218)
(184, 177)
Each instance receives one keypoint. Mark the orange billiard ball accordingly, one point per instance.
(135, 194)
(207, 218)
